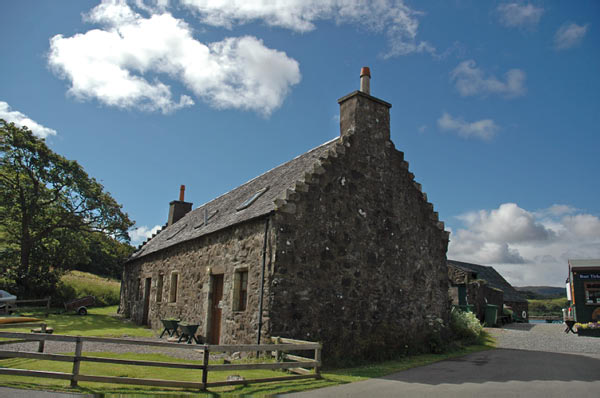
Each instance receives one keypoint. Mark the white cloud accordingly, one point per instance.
(140, 234)
(392, 17)
(22, 120)
(569, 35)
(470, 80)
(528, 248)
(519, 15)
(119, 64)
(555, 210)
(483, 129)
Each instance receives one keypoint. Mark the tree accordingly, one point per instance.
(47, 206)
(105, 256)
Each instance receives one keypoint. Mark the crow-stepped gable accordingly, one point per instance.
(339, 245)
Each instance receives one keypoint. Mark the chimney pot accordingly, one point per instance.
(365, 80)
(182, 193)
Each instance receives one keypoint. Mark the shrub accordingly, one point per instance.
(465, 326)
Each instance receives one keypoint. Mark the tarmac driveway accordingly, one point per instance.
(536, 361)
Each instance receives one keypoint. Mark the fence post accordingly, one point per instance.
(318, 359)
(278, 354)
(76, 361)
(43, 340)
(205, 367)
(47, 306)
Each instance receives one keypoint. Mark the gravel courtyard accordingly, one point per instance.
(547, 337)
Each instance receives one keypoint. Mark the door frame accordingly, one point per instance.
(146, 298)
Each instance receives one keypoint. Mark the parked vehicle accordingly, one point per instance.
(7, 301)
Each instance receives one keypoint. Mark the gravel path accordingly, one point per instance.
(548, 337)
(521, 336)
(59, 347)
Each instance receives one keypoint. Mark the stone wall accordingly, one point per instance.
(224, 252)
(360, 254)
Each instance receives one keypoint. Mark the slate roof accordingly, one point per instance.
(493, 278)
(222, 212)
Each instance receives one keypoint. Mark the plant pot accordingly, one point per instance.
(588, 332)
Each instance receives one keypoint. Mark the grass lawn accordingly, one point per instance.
(101, 323)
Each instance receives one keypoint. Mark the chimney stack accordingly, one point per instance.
(364, 116)
(365, 80)
(178, 208)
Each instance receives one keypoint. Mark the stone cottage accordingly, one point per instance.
(478, 285)
(338, 245)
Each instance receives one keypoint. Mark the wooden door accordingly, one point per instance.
(215, 310)
(147, 285)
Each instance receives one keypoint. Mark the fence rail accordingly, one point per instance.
(294, 363)
(13, 306)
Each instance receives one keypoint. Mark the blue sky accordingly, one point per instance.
(495, 105)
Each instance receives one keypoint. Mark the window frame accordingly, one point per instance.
(240, 289)
(159, 287)
(173, 287)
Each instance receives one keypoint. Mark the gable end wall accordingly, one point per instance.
(361, 257)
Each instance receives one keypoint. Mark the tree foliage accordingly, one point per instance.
(48, 208)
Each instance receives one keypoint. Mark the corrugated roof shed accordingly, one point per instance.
(257, 195)
(493, 278)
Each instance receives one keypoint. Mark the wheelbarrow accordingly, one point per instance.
(80, 305)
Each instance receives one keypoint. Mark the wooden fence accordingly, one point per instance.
(45, 303)
(297, 364)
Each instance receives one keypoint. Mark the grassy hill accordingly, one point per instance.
(542, 292)
(75, 284)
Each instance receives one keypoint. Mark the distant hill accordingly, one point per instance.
(541, 292)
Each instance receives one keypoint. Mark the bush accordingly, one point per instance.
(465, 326)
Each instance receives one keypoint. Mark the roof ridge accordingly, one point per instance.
(266, 172)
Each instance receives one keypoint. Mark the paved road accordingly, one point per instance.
(495, 373)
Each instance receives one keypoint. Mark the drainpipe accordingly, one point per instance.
(262, 281)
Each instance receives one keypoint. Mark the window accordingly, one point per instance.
(173, 288)
(159, 288)
(252, 199)
(592, 292)
(240, 290)
(176, 232)
(138, 289)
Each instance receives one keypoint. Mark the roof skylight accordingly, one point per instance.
(177, 231)
(252, 199)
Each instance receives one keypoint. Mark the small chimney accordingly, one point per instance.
(365, 80)
(178, 208)
(364, 116)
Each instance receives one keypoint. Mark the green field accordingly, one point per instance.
(547, 307)
(75, 284)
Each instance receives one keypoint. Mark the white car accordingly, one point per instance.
(7, 301)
